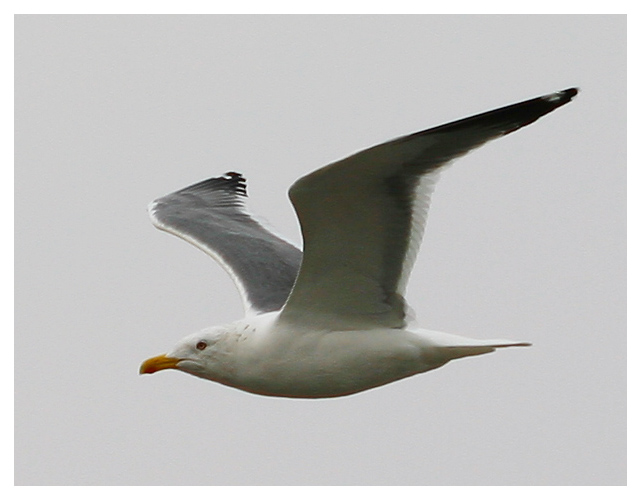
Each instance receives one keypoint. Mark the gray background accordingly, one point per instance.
(526, 240)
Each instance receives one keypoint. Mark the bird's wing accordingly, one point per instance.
(362, 218)
(212, 216)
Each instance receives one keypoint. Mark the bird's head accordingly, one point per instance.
(201, 354)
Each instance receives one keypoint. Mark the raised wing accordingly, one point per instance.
(362, 218)
(211, 215)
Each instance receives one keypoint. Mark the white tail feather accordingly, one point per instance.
(460, 347)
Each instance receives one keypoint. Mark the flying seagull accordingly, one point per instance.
(331, 320)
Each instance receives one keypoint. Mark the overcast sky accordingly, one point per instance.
(526, 240)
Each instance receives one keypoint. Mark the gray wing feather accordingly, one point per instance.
(211, 215)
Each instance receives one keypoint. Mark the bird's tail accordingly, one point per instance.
(456, 346)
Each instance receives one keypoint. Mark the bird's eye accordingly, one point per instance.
(201, 345)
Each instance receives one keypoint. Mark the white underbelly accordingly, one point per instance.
(331, 364)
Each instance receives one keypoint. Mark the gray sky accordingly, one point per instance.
(526, 240)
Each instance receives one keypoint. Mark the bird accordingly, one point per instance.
(330, 320)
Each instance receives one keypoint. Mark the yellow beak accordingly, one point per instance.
(158, 363)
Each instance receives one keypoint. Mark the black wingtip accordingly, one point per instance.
(509, 118)
(562, 96)
(236, 182)
(571, 92)
(231, 182)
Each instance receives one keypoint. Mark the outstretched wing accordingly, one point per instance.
(362, 218)
(211, 215)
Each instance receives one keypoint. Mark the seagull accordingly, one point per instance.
(330, 320)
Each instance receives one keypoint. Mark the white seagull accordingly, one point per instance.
(332, 320)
